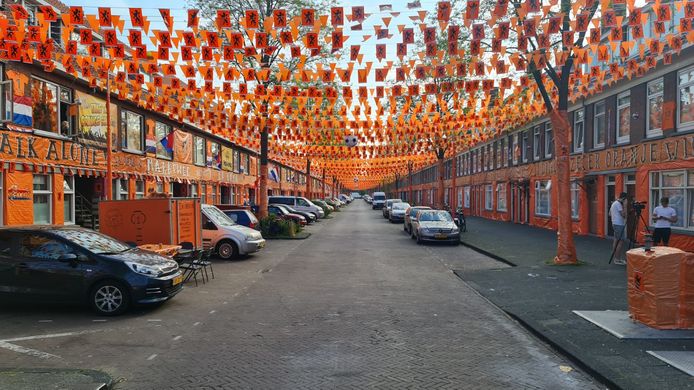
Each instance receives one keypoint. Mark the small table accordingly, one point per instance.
(161, 249)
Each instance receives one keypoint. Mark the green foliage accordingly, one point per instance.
(271, 226)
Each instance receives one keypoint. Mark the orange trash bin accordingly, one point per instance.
(660, 287)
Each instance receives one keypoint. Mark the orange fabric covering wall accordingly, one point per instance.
(58, 200)
(19, 198)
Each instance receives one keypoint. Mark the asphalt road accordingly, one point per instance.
(357, 305)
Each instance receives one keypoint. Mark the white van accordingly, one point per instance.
(298, 203)
(379, 199)
(226, 237)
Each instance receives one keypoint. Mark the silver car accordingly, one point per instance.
(387, 205)
(227, 238)
(397, 212)
(435, 225)
(411, 215)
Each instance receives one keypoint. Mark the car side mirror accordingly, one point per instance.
(68, 258)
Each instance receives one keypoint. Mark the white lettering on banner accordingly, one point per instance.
(167, 168)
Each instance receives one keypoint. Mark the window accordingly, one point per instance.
(132, 131)
(654, 108)
(237, 163)
(579, 126)
(524, 147)
(120, 189)
(7, 113)
(504, 157)
(41, 247)
(68, 200)
(193, 193)
(160, 187)
(460, 198)
(203, 193)
(549, 140)
(537, 142)
(139, 189)
(623, 117)
(162, 131)
(248, 165)
(214, 160)
(43, 200)
(501, 197)
(599, 125)
(575, 197)
(685, 110)
(50, 107)
(214, 194)
(678, 186)
(488, 197)
(543, 197)
(515, 149)
(199, 150)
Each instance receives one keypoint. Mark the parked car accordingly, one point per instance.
(332, 202)
(355, 195)
(322, 204)
(367, 199)
(410, 215)
(298, 203)
(388, 205)
(397, 212)
(284, 214)
(345, 198)
(435, 225)
(379, 199)
(72, 264)
(226, 237)
(241, 216)
(310, 217)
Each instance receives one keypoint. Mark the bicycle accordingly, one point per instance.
(462, 224)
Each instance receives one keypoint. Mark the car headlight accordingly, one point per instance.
(454, 231)
(143, 269)
(253, 237)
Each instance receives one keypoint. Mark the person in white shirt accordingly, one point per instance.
(618, 216)
(663, 216)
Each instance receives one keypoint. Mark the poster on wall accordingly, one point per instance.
(92, 119)
(227, 159)
(213, 155)
(183, 147)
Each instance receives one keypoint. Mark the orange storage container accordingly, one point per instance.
(152, 220)
(660, 287)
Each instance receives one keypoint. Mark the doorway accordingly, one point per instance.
(610, 196)
(180, 190)
(593, 205)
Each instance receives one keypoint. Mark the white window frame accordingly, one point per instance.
(651, 133)
(683, 126)
(579, 119)
(69, 197)
(537, 142)
(59, 101)
(575, 200)
(656, 192)
(203, 193)
(6, 98)
(199, 160)
(139, 194)
(160, 187)
(524, 146)
(459, 201)
(125, 114)
(501, 197)
(160, 151)
(620, 107)
(596, 119)
(49, 192)
(549, 140)
(488, 197)
(193, 190)
(514, 157)
(466, 194)
(540, 187)
(214, 194)
(120, 189)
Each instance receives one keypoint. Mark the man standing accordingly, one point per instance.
(663, 216)
(617, 214)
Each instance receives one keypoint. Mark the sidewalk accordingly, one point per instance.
(542, 297)
(54, 378)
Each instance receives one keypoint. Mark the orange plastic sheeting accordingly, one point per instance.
(660, 287)
(152, 221)
(19, 198)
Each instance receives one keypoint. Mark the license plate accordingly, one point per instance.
(177, 280)
(440, 236)
(261, 245)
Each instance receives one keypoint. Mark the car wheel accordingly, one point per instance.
(227, 250)
(109, 298)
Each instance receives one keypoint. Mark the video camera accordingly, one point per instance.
(638, 207)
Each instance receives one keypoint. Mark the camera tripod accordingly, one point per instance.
(631, 236)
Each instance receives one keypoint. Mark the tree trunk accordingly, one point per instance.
(566, 250)
(262, 186)
(309, 183)
(411, 194)
(440, 201)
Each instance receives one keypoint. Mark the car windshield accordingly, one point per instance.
(92, 241)
(435, 216)
(379, 197)
(218, 217)
(401, 206)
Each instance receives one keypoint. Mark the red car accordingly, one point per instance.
(280, 213)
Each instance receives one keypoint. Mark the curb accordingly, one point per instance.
(289, 238)
(488, 254)
(64, 378)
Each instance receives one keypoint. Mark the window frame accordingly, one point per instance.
(582, 121)
(575, 200)
(541, 186)
(683, 126)
(501, 194)
(160, 151)
(653, 133)
(203, 158)
(687, 189)
(488, 197)
(71, 194)
(59, 101)
(623, 139)
(524, 146)
(549, 140)
(537, 142)
(48, 192)
(124, 132)
(140, 194)
(596, 119)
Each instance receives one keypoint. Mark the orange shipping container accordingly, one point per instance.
(152, 221)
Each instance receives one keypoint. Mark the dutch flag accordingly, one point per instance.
(22, 107)
(274, 176)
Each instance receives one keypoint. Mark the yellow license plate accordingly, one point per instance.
(177, 280)
(440, 236)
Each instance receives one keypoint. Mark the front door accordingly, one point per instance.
(41, 273)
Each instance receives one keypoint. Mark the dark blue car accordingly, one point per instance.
(72, 264)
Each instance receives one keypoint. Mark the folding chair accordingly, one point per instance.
(187, 262)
